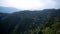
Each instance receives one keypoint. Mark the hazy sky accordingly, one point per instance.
(31, 4)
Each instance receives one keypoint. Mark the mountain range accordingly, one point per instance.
(28, 22)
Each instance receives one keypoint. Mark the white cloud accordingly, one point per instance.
(26, 4)
(29, 4)
(50, 4)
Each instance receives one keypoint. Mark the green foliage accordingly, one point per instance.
(48, 30)
(52, 27)
(56, 26)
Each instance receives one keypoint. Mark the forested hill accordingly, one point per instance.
(31, 22)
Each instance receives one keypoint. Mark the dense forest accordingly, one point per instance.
(31, 22)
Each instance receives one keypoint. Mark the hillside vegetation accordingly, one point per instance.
(31, 22)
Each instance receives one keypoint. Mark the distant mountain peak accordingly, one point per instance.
(8, 9)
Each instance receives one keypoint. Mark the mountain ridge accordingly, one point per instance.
(7, 9)
(24, 21)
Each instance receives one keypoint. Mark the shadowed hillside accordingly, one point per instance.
(31, 22)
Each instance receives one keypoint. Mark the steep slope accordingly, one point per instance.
(27, 22)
